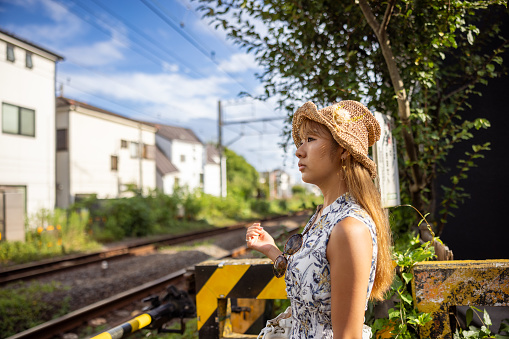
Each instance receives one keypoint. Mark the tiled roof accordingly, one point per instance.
(60, 58)
(177, 133)
(212, 154)
(163, 164)
(61, 101)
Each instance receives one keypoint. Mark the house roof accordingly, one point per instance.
(212, 154)
(58, 57)
(177, 133)
(163, 164)
(62, 101)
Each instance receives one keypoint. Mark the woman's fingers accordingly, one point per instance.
(253, 232)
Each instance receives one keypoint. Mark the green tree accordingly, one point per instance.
(242, 178)
(416, 60)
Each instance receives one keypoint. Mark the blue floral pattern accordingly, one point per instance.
(308, 273)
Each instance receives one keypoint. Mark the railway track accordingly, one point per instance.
(34, 270)
(78, 317)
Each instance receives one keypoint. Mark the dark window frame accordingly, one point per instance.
(62, 141)
(29, 61)
(10, 55)
(20, 120)
(114, 162)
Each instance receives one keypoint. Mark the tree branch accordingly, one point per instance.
(476, 77)
(387, 16)
(401, 95)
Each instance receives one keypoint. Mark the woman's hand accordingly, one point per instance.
(260, 240)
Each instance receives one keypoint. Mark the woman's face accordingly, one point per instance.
(318, 154)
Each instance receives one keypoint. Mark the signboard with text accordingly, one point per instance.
(386, 159)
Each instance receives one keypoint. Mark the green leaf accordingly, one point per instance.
(407, 277)
(406, 297)
(393, 313)
(470, 37)
(487, 319)
(469, 316)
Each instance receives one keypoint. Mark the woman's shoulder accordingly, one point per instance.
(350, 228)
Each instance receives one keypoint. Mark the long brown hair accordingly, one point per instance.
(362, 188)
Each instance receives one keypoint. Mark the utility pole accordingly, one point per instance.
(222, 191)
(140, 157)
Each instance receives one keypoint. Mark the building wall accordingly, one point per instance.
(166, 183)
(212, 183)
(94, 138)
(188, 158)
(29, 161)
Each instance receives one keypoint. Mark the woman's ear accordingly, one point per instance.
(344, 154)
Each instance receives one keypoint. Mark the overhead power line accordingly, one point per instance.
(190, 39)
(146, 37)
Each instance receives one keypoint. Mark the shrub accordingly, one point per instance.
(28, 307)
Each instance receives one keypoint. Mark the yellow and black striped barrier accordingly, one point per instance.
(126, 328)
(440, 285)
(220, 281)
(178, 305)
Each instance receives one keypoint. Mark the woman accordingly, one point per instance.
(343, 257)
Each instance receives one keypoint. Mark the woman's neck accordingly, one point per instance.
(332, 191)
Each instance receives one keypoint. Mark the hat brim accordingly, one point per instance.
(310, 111)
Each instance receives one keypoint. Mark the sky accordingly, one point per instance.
(156, 61)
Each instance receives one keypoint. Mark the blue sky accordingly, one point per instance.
(156, 61)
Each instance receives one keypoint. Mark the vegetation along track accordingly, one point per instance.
(230, 243)
(44, 267)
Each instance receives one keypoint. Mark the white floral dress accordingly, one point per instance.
(308, 273)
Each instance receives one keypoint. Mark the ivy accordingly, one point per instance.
(326, 51)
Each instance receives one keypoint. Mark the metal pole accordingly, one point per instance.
(140, 154)
(220, 146)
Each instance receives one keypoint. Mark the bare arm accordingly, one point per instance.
(349, 252)
(260, 240)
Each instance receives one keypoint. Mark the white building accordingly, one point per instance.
(280, 183)
(185, 151)
(101, 153)
(167, 173)
(27, 131)
(212, 172)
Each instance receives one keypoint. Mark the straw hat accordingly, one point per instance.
(351, 124)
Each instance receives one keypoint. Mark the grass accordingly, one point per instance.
(23, 305)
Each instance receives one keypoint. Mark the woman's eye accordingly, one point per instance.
(309, 139)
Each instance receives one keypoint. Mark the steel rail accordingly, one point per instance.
(74, 319)
(78, 317)
(32, 270)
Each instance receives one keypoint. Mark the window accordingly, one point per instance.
(10, 53)
(182, 158)
(134, 149)
(62, 139)
(18, 120)
(123, 143)
(114, 163)
(28, 60)
(149, 152)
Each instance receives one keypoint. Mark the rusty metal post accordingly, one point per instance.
(439, 285)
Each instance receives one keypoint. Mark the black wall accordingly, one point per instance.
(480, 229)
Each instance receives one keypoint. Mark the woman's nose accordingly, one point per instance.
(299, 153)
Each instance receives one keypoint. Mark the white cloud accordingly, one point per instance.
(172, 68)
(64, 26)
(166, 95)
(239, 62)
(97, 54)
